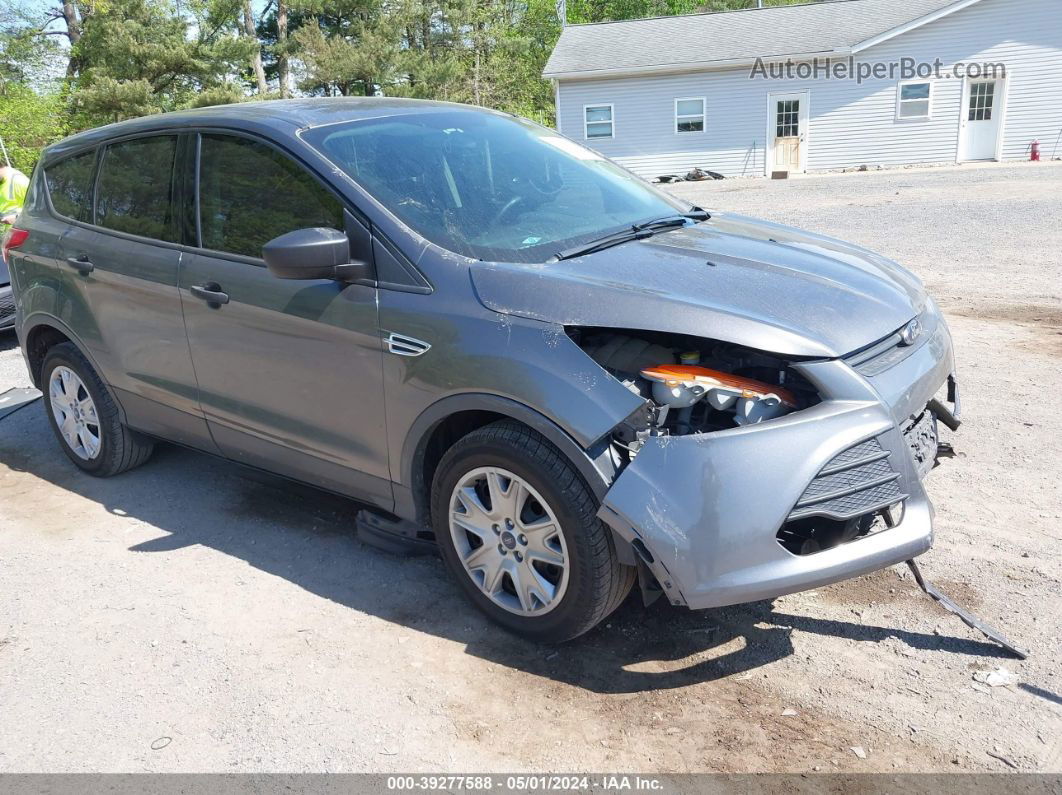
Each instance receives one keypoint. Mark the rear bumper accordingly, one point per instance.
(704, 510)
(7, 308)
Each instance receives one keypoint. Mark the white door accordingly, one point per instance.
(980, 121)
(787, 122)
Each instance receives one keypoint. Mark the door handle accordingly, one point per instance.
(81, 263)
(210, 292)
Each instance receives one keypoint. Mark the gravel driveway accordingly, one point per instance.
(189, 616)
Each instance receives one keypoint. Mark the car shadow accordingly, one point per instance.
(307, 537)
(8, 340)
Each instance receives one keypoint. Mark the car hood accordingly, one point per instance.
(731, 278)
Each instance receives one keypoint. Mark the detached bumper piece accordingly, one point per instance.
(968, 618)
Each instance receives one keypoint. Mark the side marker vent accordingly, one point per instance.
(401, 345)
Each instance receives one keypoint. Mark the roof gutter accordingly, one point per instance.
(693, 66)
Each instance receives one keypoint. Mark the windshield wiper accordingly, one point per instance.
(633, 232)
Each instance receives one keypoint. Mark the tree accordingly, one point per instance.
(350, 46)
(277, 22)
(283, 65)
(140, 56)
(256, 49)
(26, 56)
(28, 122)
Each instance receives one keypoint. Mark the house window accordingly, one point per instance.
(982, 97)
(787, 118)
(598, 120)
(913, 100)
(689, 115)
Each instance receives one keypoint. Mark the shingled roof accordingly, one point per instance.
(683, 42)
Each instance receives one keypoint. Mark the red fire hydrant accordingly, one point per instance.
(1035, 148)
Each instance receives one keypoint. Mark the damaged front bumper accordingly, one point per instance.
(704, 511)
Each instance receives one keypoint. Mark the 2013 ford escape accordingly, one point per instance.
(475, 325)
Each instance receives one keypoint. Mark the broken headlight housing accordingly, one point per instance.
(693, 385)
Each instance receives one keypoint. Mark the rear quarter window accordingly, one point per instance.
(70, 185)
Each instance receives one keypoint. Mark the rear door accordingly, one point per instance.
(119, 292)
(60, 193)
(290, 372)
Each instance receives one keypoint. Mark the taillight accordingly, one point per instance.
(13, 239)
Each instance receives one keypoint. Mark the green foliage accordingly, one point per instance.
(26, 58)
(611, 10)
(29, 122)
(137, 57)
(224, 94)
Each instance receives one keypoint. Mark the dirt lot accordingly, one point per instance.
(190, 617)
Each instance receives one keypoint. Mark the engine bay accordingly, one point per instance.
(693, 385)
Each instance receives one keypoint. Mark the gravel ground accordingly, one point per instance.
(190, 617)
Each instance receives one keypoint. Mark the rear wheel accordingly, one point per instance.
(516, 525)
(85, 419)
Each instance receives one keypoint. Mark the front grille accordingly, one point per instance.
(890, 351)
(856, 481)
(880, 356)
(7, 307)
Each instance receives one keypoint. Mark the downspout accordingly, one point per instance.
(556, 105)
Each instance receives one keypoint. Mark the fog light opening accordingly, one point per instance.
(817, 533)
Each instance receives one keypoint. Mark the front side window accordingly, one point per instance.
(250, 193)
(70, 185)
(689, 115)
(914, 99)
(488, 186)
(134, 193)
(598, 121)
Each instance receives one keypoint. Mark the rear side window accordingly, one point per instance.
(249, 193)
(134, 193)
(70, 186)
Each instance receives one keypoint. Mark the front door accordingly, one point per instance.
(787, 132)
(290, 372)
(981, 111)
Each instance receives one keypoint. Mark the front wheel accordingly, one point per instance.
(516, 525)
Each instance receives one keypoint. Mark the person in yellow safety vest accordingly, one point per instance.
(13, 185)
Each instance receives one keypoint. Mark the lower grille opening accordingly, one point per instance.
(819, 533)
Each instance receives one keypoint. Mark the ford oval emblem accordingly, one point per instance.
(911, 332)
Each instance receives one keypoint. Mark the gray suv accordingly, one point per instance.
(499, 341)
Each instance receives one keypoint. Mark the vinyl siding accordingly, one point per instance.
(850, 124)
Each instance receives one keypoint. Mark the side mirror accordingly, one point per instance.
(318, 253)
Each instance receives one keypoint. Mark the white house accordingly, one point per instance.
(763, 90)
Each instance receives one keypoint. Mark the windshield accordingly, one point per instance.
(487, 186)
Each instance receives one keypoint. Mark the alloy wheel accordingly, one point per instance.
(509, 541)
(74, 412)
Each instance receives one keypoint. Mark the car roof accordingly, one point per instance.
(278, 115)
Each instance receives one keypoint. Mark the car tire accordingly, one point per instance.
(546, 586)
(95, 439)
